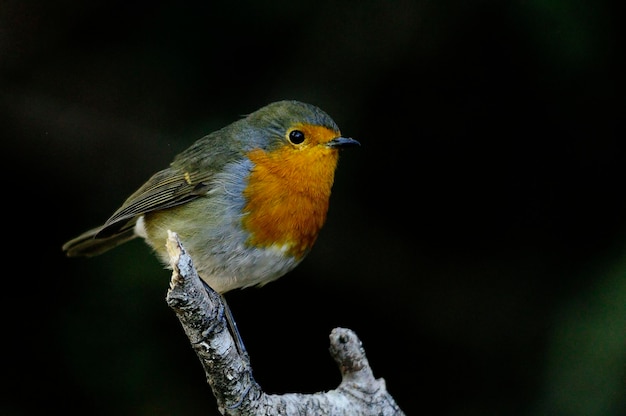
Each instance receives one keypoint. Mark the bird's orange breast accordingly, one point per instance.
(288, 193)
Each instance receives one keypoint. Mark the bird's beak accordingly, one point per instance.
(342, 142)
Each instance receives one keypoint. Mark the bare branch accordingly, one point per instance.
(202, 314)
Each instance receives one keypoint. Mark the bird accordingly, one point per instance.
(247, 201)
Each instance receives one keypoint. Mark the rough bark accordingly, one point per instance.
(203, 316)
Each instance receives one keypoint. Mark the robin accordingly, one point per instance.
(247, 201)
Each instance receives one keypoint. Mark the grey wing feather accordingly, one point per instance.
(165, 189)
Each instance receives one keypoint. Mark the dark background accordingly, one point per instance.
(475, 241)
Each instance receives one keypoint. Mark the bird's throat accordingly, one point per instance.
(287, 198)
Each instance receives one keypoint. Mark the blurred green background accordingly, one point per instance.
(476, 241)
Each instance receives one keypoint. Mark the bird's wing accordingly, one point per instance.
(165, 189)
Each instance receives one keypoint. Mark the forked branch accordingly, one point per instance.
(202, 314)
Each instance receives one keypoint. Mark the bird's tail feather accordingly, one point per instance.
(88, 245)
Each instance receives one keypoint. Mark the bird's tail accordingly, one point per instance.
(88, 244)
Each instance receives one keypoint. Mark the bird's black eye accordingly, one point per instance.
(296, 136)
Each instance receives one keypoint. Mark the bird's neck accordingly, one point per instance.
(287, 198)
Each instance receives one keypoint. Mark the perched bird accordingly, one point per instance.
(247, 201)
